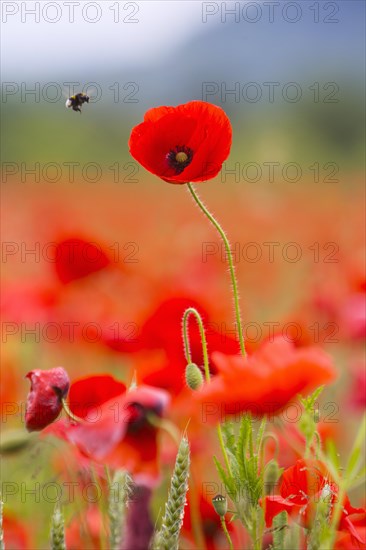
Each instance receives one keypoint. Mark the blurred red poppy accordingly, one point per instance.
(76, 258)
(353, 316)
(48, 388)
(17, 534)
(305, 484)
(187, 143)
(356, 398)
(162, 330)
(85, 532)
(116, 429)
(265, 382)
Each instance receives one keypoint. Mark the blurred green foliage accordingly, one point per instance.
(305, 131)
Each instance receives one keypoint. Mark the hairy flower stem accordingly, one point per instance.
(230, 262)
(187, 349)
(355, 455)
(187, 352)
(279, 530)
(224, 528)
(70, 414)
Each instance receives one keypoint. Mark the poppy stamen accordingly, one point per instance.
(179, 158)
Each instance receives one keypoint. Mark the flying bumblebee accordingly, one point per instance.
(75, 102)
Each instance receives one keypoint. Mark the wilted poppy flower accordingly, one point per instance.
(187, 143)
(76, 258)
(114, 427)
(44, 403)
(304, 485)
(264, 382)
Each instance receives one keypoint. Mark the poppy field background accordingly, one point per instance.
(290, 197)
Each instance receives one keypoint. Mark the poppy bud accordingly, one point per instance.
(194, 376)
(271, 476)
(44, 403)
(220, 504)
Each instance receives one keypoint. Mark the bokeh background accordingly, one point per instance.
(290, 75)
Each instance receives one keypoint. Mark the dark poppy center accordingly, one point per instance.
(138, 417)
(179, 158)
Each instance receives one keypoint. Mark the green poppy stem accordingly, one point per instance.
(70, 414)
(224, 528)
(230, 262)
(187, 352)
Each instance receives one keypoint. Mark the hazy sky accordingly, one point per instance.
(80, 38)
(122, 32)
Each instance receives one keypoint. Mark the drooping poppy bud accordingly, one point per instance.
(44, 403)
(194, 377)
(271, 476)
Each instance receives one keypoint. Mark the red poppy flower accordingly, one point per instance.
(116, 429)
(48, 388)
(345, 541)
(264, 382)
(187, 143)
(303, 486)
(76, 258)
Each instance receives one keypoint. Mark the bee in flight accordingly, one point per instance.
(76, 101)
